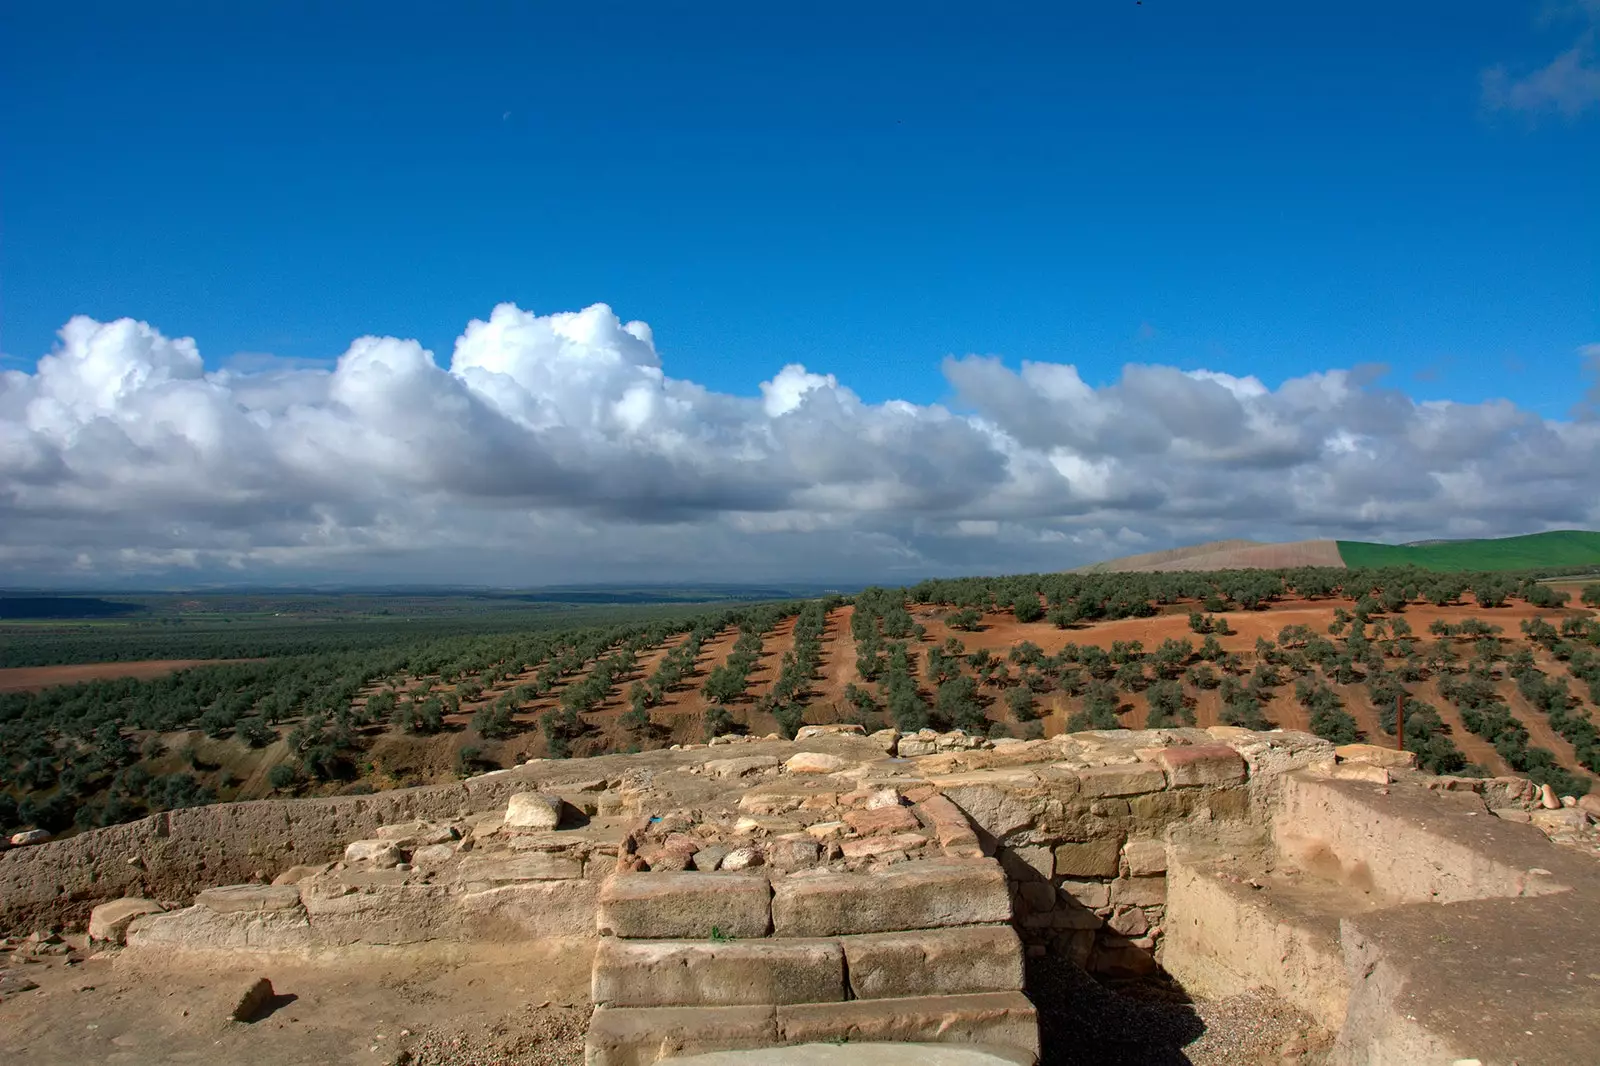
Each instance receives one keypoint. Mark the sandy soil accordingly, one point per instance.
(33, 678)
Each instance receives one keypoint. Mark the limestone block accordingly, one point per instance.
(295, 874)
(381, 914)
(1202, 764)
(533, 909)
(881, 820)
(945, 962)
(251, 999)
(1005, 1019)
(380, 853)
(668, 973)
(1038, 895)
(1019, 859)
(815, 762)
(1354, 771)
(1129, 780)
(865, 847)
(417, 834)
(840, 729)
(750, 764)
(1091, 894)
(533, 810)
(791, 853)
(916, 895)
(1590, 805)
(29, 836)
(108, 923)
(227, 899)
(503, 867)
(914, 745)
(887, 739)
(685, 905)
(948, 822)
(1373, 755)
(641, 1036)
(1090, 858)
(1138, 891)
(1145, 857)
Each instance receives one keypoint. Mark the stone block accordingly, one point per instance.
(1139, 891)
(947, 821)
(1202, 764)
(1130, 780)
(251, 999)
(686, 905)
(1019, 860)
(750, 764)
(1038, 895)
(876, 821)
(1004, 1019)
(917, 895)
(533, 909)
(504, 867)
(380, 853)
(1145, 857)
(1158, 809)
(1091, 894)
(108, 923)
(1354, 771)
(228, 899)
(864, 847)
(533, 810)
(1090, 858)
(984, 958)
(837, 729)
(1229, 804)
(668, 973)
(1373, 755)
(815, 762)
(641, 1036)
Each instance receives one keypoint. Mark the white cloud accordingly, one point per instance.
(558, 448)
(1569, 84)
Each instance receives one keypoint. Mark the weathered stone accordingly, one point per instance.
(710, 856)
(108, 923)
(849, 729)
(685, 905)
(1138, 891)
(1202, 764)
(791, 853)
(1129, 780)
(657, 973)
(1038, 895)
(1090, 858)
(880, 820)
(1547, 798)
(825, 831)
(1590, 805)
(1512, 814)
(916, 895)
(29, 836)
(1019, 859)
(750, 764)
(911, 747)
(295, 874)
(984, 958)
(1130, 921)
(642, 1036)
(533, 810)
(741, 859)
(229, 899)
(1226, 803)
(949, 824)
(416, 834)
(887, 739)
(1145, 857)
(882, 797)
(433, 854)
(1091, 894)
(532, 909)
(1373, 755)
(1004, 1019)
(1353, 771)
(866, 847)
(1159, 808)
(251, 1000)
(503, 867)
(814, 762)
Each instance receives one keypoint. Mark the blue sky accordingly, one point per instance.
(1271, 191)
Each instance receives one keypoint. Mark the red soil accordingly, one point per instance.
(33, 678)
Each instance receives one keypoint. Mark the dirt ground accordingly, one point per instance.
(526, 1004)
(33, 678)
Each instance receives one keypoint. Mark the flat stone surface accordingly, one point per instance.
(1145, 857)
(109, 921)
(1201, 764)
(697, 973)
(1373, 755)
(685, 905)
(752, 764)
(1090, 858)
(915, 895)
(1004, 1019)
(868, 1054)
(881, 820)
(1130, 780)
(226, 899)
(815, 762)
(518, 866)
(639, 1036)
(985, 958)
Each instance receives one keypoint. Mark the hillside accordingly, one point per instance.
(1570, 548)
(1562, 548)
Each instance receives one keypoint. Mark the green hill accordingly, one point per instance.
(1562, 548)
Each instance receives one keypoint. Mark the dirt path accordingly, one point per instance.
(1474, 747)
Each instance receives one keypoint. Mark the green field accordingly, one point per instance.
(1575, 548)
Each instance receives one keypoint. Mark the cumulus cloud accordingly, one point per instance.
(1569, 84)
(558, 448)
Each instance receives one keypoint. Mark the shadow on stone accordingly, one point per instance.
(1085, 1023)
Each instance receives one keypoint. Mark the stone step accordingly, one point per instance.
(685, 905)
(916, 895)
(699, 973)
(861, 1055)
(638, 1036)
(934, 962)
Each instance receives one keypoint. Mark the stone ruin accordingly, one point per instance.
(848, 888)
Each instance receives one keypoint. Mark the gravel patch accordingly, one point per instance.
(549, 1035)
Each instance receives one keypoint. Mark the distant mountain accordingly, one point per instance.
(1578, 549)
